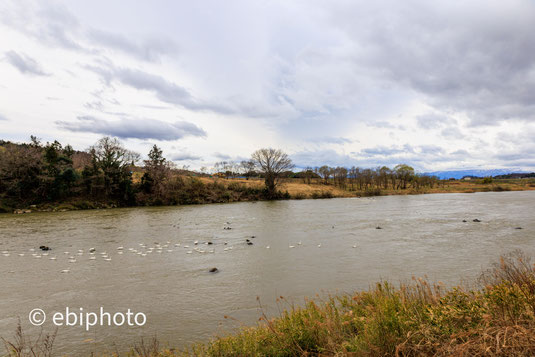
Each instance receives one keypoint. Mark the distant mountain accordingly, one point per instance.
(457, 174)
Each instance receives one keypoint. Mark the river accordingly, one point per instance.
(315, 247)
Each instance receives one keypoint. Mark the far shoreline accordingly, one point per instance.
(289, 191)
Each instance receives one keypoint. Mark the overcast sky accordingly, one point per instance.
(436, 84)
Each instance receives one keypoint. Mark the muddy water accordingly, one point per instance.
(158, 275)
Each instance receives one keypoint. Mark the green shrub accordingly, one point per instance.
(372, 192)
(500, 188)
(322, 194)
(487, 180)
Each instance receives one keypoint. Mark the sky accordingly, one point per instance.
(439, 85)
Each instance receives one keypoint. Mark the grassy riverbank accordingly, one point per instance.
(202, 190)
(417, 319)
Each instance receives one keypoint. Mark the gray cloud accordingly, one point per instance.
(222, 156)
(387, 151)
(331, 140)
(452, 133)
(460, 153)
(184, 157)
(56, 25)
(165, 90)
(148, 50)
(381, 124)
(434, 121)
(430, 149)
(131, 128)
(25, 64)
(2, 117)
(314, 158)
(459, 58)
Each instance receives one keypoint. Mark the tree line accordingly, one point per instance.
(400, 177)
(34, 173)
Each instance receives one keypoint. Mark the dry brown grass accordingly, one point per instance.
(297, 188)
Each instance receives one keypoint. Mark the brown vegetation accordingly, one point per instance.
(52, 176)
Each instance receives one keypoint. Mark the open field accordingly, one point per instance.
(317, 189)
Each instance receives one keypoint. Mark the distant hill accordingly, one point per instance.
(458, 174)
(516, 175)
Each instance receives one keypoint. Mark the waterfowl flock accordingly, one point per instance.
(94, 254)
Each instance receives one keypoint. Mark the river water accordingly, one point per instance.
(156, 274)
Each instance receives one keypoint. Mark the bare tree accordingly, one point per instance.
(271, 163)
(248, 168)
(404, 174)
(325, 172)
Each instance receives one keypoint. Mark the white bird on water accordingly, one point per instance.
(52, 258)
(92, 258)
(299, 243)
(267, 247)
(354, 246)
(291, 246)
(319, 245)
(65, 271)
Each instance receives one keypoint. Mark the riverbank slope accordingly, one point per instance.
(418, 319)
(202, 190)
